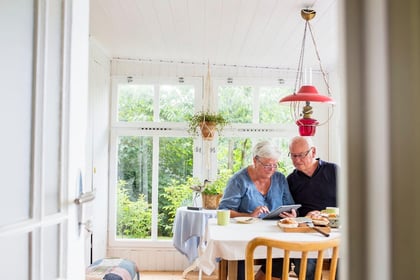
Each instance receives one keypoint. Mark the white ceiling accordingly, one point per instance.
(263, 33)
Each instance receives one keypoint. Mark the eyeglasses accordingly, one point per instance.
(267, 166)
(301, 155)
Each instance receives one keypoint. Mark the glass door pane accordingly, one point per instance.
(134, 187)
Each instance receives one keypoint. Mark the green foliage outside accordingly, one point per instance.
(236, 102)
(135, 103)
(178, 194)
(134, 217)
(135, 169)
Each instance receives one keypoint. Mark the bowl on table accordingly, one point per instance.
(334, 222)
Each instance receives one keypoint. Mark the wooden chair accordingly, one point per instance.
(303, 247)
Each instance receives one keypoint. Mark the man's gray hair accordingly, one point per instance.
(306, 139)
(266, 149)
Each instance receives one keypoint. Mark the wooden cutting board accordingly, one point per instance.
(304, 228)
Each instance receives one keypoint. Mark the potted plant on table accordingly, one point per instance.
(208, 122)
(213, 192)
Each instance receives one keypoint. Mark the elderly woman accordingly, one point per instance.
(256, 190)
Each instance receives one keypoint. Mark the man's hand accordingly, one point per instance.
(291, 214)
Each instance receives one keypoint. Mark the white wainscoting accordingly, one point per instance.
(152, 259)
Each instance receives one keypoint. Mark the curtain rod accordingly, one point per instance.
(204, 64)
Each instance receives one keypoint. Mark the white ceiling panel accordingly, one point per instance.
(264, 33)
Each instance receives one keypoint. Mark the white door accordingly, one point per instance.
(43, 93)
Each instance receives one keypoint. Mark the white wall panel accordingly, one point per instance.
(152, 259)
(97, 153)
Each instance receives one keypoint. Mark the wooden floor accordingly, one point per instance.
(174, 275)
(193, 275)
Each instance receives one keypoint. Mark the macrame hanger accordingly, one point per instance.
(207, 107)
(209, 90)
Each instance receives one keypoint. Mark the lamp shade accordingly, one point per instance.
(308, 93)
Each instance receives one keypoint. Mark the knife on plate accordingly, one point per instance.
(310, 224)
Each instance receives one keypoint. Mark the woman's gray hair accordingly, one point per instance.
(266, 149)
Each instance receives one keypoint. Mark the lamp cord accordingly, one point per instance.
(324, 75)
(319, 59)
(298, 80)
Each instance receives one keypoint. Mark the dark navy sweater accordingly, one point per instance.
(316, 192)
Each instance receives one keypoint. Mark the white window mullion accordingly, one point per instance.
(114, 101)
(213, 159)
(155, 187)
(207, 161)
(197, 157)
(113, 156)
(155, 164)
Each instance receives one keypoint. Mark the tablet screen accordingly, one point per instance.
(276, 212)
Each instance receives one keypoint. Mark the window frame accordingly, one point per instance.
(252, 130)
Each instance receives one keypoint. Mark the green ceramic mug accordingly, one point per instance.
(223, 217)
(332, 210)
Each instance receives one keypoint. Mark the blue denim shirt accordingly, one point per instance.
(242, 195)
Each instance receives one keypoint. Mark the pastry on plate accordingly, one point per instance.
(288, 223)
(318, 218)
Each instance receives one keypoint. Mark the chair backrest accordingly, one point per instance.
(288, 247)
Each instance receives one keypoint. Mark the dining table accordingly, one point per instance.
(225, 245)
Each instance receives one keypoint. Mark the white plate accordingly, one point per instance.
(246, 220)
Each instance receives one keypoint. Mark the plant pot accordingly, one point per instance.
(208, 130)
(211, 201)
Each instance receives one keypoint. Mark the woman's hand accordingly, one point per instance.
(259, 210)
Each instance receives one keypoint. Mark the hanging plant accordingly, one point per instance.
(208, 123)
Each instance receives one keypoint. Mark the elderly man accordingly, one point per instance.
(313, 184)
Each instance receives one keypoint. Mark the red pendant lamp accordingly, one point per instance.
(307, 93)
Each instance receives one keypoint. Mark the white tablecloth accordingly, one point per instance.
(229, 242)
(189, 228)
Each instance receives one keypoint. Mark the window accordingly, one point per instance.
(153, 156)
(254, 109)
(150, 152)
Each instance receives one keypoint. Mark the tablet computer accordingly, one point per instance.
(276, 212)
